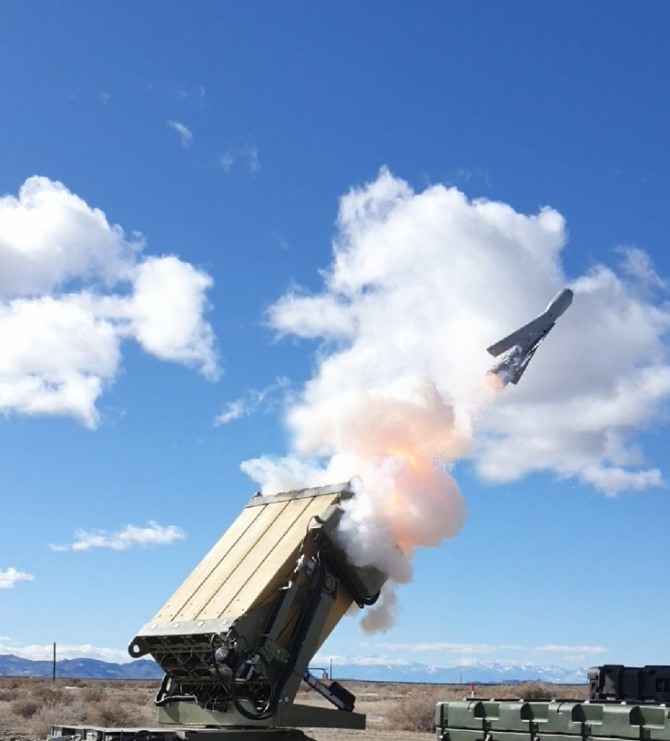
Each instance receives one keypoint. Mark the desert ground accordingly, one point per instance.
(395, 712)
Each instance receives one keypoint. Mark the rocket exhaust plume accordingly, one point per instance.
(405, 496)
(396, 446)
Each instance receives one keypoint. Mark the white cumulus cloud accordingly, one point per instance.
(121, 540)
(9, 577)
(51, 239)
(166, 313)
(73, 287)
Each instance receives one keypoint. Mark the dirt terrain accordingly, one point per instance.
(395, 712)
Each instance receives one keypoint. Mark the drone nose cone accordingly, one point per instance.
(560, 303)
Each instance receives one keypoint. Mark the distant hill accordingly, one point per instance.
(15, 666)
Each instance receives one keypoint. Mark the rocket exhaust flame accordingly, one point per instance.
(496, 381)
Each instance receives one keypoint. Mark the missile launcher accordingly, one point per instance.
(236, 638)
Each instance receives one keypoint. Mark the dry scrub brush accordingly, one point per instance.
(415, 711)
(534, 691)
(29, 707)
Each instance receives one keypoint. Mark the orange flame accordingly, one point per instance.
(494, 383)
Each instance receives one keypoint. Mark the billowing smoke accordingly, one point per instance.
(419, 285)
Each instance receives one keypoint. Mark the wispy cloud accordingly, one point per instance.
(9, 577)
(266, 398)
(281, 240)
(359, 660)
(558, 649)
(246, 156)
(121, 540)
(469, 653)
(184, 92)
(455, 648)
(185, 134)
(481, 648)
(37, 652)
(470, 174)
(638, 266)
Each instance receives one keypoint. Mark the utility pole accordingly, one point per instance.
(53, 670)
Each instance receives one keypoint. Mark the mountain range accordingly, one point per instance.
(16, 666)
(484, 673)
(479, 673)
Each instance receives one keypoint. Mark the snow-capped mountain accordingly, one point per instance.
(373, 670)
(15, 666)
(480, 672)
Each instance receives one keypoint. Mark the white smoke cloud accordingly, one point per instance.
(419, 284)
(380, 617)
(72, 288)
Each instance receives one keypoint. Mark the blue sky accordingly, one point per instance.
(269, 238)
